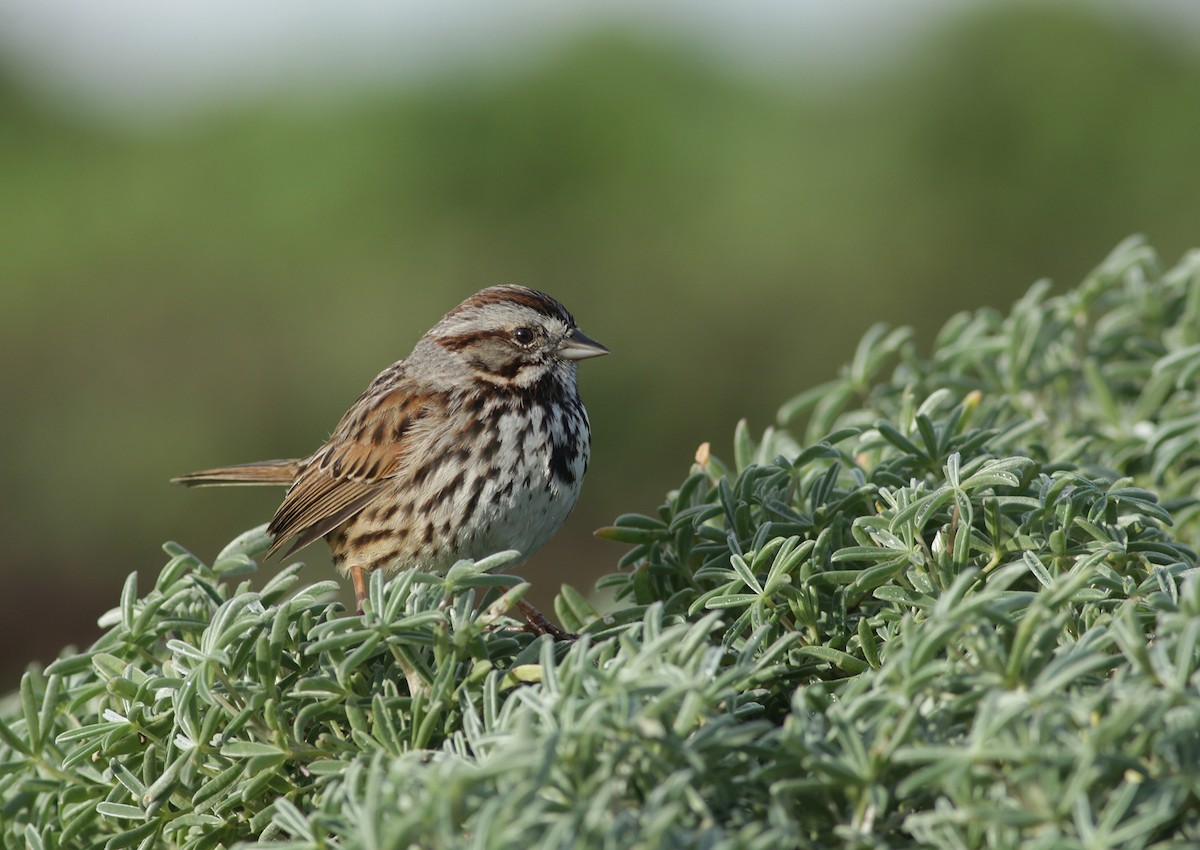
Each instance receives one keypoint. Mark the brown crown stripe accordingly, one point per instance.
(531, 298)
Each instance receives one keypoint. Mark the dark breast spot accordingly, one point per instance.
(562, 455)
(489, 450)
(369, 538)
(385, 560)
(447, 491)
(473, 500)
(422, 472)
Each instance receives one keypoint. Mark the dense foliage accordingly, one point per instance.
(959, 609)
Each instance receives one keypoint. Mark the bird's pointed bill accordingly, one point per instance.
(579, 346)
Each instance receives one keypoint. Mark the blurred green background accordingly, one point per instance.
(218, 284)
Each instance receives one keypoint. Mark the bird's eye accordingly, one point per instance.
(523, 336)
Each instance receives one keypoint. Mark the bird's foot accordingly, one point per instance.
(537, 624)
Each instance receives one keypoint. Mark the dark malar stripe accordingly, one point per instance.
(508, 371)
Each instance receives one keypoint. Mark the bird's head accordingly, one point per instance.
(512, 336)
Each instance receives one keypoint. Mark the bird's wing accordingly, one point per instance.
(351, 470)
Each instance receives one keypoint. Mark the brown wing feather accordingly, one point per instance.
(351, 499)
(350, 471)
(264, 472)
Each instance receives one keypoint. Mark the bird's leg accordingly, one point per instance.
(360, 587)
(539, 625)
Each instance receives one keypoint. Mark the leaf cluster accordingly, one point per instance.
(959, 608)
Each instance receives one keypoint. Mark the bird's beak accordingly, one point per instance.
(579, 346)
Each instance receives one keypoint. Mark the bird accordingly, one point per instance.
(475, 443)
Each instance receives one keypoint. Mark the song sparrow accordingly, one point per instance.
(475, 443)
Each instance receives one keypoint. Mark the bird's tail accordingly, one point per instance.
(264, 473)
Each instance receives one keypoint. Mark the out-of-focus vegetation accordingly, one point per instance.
(221, 289)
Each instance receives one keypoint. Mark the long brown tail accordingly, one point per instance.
(264, 473)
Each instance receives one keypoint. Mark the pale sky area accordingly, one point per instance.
(144, 56)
